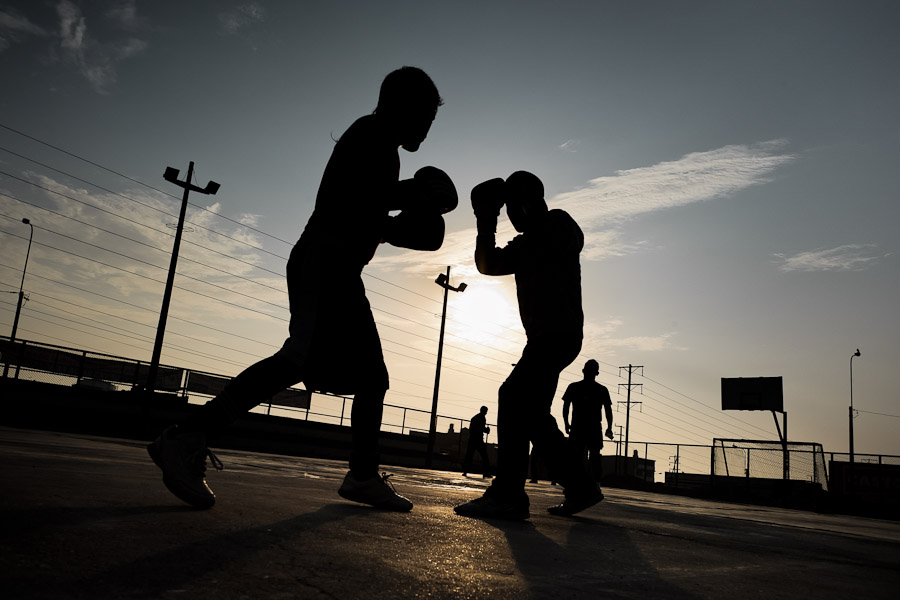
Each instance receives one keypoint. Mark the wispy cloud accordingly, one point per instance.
(97, 61)
(15, 28)
(603, 335)
(233, 20)
(570, 145)
(607, 202)
(849, 257)
(142, 247)
(603, 205)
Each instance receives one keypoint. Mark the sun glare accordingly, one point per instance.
(484, 312)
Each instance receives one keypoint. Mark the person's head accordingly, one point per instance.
(409, 101)
(591, 369)
(524, 200)
(484, 410)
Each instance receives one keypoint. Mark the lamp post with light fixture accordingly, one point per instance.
(442, 280)
(171, 175)
(15, 327)
(852, 356)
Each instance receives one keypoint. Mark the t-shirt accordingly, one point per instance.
(352, 206)
(477, 426)
(588, 400)
(545, 261)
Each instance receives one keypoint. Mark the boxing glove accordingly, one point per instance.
(436, 191)
(416, 230)
(488, 198)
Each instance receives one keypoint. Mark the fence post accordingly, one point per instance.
(343, 405)
(677, 462)
(21, 358)
(403, 422)
(647, 462)
(81, 366)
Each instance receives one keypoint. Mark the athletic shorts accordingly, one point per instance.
(333, 339)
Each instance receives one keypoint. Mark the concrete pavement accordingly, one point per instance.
(88, 517)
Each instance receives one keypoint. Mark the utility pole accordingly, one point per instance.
(852, 356)
(15, 327)
(628, 402)
(171, 175)
(443, 281)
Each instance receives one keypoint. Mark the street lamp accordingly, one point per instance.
(15, 327)
(442, 280)
(171, 175)
(851, 402)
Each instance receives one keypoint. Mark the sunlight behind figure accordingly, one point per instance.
(488, 311)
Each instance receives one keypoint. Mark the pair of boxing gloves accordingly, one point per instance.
(426, 197)
(430, 194)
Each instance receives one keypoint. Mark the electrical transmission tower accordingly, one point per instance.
(628, 402)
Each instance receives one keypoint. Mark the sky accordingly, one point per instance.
(731, 164)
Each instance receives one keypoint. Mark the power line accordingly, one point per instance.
(114, 214)
(732, 427)
(144, 204)
(150, 310)
(135, 259)
(93, 334)
(131, 321)
(151, 246)
(703, 405)
(162, 282)
(868, 412)
(133, 336)
(108, 170)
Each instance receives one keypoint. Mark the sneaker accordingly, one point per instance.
(489, 506)
(577, 502)
(182, 458)
(376, 491)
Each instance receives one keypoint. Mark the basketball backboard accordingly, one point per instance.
(752, 393)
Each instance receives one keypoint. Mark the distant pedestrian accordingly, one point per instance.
(545, 261)
(477, 430)
(333, 344)
(588, 399)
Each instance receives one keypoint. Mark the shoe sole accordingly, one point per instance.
(382, 505)
(560, 511)
(201, 503)
(477, 514)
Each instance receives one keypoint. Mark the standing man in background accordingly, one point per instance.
(588, 399)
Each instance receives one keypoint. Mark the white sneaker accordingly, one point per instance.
(376, 491)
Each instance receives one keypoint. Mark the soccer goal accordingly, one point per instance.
(766, 459)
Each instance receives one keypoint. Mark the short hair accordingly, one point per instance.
(484, 409)
(405, 86)
(592, 365)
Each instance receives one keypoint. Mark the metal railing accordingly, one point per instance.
(59, 365)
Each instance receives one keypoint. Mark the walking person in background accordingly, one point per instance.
(477, 429)
(333, 344)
